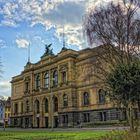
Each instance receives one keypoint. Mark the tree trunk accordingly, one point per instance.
(130, 118)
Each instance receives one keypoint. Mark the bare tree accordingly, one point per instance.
(116, 27)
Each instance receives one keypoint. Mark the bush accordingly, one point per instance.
(126, 135)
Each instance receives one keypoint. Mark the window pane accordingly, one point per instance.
(86, 98)
(65, 100)
(37, 82)
(46, 105)
(55, 78)
(46, 80)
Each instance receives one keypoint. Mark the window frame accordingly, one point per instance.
(55, 78)
(46, 80)
(86, 100)
(65, 100)
(37, 82)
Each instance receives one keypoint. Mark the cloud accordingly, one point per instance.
(5, 88)
(22, 43)
(2, 43)
(4, 84)
(50, 13)
(9, 23)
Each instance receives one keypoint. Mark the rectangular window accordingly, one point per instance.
(16, 108)
(26, 86)
(103, 116)
(65, 118)
(86, 117)
(64, 77)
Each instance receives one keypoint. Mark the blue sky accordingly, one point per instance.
(34, 23)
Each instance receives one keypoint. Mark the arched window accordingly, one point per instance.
(55, 104)
(101, 95)
(46, 105)
(27, 106)
(37, 106)
(46, 80)
(65, 100)
(86, 98)
(16, 108)
(37, 82)
(55, 78)
(64, 77)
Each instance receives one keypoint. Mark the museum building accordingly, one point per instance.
(61, 91)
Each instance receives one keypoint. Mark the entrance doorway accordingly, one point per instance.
(37, 120)
(55, 121)
(26, 122)
(46, 122)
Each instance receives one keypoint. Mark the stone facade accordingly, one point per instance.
(60, 91)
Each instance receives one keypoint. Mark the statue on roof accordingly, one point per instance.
(48, 50)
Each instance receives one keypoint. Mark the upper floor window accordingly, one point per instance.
(37, 106)
(55, 78)
(27, 106)
(86, 98)
(21, 107)
(101, 95)
(65, 100)
(64, 77)
(27, 86)
(46, 105)
(37, 82)
(16, 108)
(46, 80)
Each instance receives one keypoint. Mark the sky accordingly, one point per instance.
(34, 23)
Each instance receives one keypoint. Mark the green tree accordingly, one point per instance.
(123, 86)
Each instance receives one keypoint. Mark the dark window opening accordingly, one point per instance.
(55, 104)
(86, 117)
(37, 82)
(46, 80)
(65, 100)
(64, 77)
(65, 118)
(46, 105)
(86, 98)
(27, 106)
(103, 116)
(55, 78)
(101, 94)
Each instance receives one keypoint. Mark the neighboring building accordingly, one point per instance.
(60, 91)
(7, 111)
(2, 110)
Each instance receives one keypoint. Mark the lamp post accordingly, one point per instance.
(51, 84)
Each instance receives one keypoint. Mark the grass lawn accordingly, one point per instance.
(44, 135)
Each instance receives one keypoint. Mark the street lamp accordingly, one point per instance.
(51, 85)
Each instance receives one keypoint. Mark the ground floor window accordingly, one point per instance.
(65, 118)
(103, 116)
(37, 122)
(86, 117)
(56, 121)
(15, 121)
